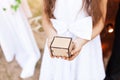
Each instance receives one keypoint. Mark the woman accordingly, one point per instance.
(16, 37)
(74, 18)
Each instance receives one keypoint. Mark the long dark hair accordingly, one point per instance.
(91, 6)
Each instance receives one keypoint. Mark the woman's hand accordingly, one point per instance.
(50, 38)
(78, 44)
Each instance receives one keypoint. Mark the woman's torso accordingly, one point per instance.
(69, 10)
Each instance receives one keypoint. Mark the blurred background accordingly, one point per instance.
(107, 35)
(11, 71)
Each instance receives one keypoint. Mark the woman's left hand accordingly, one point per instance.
(78, 44)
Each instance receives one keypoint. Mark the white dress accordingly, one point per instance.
(71, 20)
(16, 38)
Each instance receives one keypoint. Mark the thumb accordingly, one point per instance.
(74, 50)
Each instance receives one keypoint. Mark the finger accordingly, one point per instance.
(76, 50)
(65, 58)
(50, 52)
(52, 56)
(62, 57)
(73, 56)
(57, 56)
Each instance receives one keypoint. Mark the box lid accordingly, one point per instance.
(61, 42)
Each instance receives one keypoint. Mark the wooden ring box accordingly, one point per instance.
(61, 46)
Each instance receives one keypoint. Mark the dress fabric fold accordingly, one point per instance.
(16, 38)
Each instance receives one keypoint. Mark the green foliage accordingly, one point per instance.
(16, 6)
(18, 1)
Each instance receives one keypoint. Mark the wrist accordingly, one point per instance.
(82, 41)
(51, 33)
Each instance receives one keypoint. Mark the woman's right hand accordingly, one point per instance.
(50, 38)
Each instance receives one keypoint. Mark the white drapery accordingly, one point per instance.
(16, 37)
